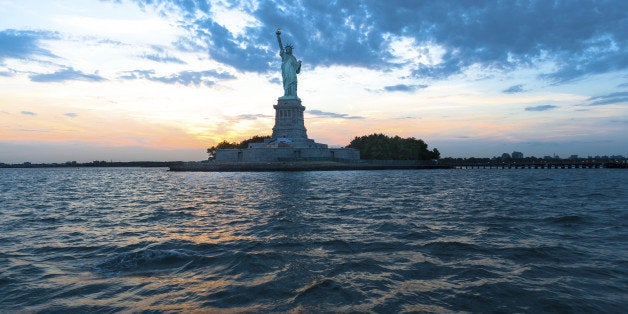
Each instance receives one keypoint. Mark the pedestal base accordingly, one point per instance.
(288, 142)
(289, 121)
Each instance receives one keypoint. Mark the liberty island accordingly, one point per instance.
(289, 140)
(289, 148)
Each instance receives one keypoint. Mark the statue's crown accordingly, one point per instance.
(290, 45)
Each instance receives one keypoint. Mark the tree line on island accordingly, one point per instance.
(375, 146)
(231, 145)
(383, 147)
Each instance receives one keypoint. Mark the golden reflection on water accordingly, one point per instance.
(190, 298)
(216, 237)
(186, 293)
(145, 292)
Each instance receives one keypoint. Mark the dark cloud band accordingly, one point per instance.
(579, 37)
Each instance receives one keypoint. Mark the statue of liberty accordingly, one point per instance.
(290, 67)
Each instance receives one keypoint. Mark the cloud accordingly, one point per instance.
(251, 116)
(599, 54)
(163, 58)
(513, 89)
(332, 115)
(9, 73)
(28, 113)
(610, 99)
(619, 121)
(578, 38)
(32, 131)
(612, 95)
(137, 74)
(186, 78)
(67, 74)
(71, 114)
(187, 6)
(22, 44)
(541, 108)
(403, 88)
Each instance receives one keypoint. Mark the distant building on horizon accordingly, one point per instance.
(517, 155)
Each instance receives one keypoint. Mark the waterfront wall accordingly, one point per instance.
(284, 153)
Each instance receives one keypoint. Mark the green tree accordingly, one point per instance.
(383, 147)
(254, 139)
(230, 145)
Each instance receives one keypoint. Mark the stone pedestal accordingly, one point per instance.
(289, 121)
(289, 141)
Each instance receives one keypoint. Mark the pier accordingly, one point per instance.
(597, 162)
(549, 165)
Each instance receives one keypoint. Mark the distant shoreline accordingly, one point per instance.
(99, 164)
(322, 165)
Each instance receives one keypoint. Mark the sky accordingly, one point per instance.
(124, 80)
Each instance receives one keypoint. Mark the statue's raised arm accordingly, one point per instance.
(278, 32)
(290, 67)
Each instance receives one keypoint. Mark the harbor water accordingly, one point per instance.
(450, 240)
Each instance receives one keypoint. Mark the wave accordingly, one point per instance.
(327, 291)
(454, 249)
(145, 261)
(567, 220)
(540, 254)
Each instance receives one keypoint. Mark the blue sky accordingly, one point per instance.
(163, 80)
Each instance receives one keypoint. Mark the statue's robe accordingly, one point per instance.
(290, 67)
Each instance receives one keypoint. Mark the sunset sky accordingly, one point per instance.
(130, 80)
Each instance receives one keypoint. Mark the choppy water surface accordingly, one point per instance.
(519, 240)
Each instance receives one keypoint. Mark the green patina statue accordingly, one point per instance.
(290, 67)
